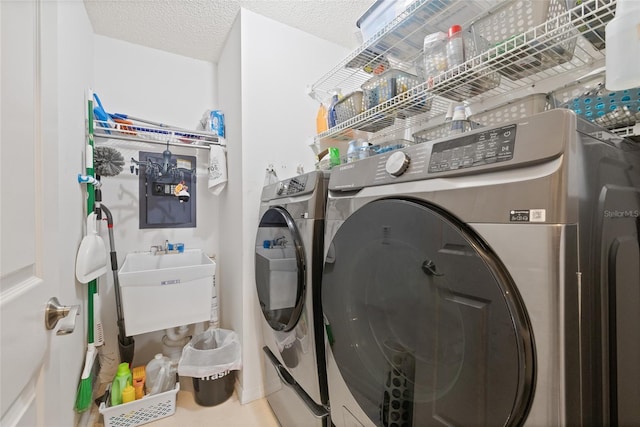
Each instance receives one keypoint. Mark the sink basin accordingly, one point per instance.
(164, 291)
(143, 268)
(281, 259)
(277, 277)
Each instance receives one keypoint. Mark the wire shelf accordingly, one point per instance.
(153, 134)
(399, 45)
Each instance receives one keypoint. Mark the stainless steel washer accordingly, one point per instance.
(288, 269)
(484, 279)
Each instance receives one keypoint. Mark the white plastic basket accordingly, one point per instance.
(513, 110)
(590, 99)
(434, 132)
(142, 411)
(530, 52)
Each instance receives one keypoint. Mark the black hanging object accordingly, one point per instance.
(429, 267)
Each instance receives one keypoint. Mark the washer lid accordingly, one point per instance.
(425, 322)
(280, 269)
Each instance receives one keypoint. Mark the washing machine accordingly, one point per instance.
(288, 270)
(486, 279)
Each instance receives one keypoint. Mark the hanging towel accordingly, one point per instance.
(217, 169)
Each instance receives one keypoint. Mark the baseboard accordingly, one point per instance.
(248, 395)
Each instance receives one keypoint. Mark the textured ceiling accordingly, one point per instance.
(199, 28)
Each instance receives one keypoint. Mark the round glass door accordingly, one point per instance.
(280, 269)
(426, 326)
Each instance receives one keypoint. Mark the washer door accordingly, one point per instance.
(280, 270)
(426, 326)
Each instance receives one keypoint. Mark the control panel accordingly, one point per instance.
(292, 186)
(528, 141)
(491, 146)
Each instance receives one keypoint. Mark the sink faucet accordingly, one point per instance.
(160, 249)
(280, 241)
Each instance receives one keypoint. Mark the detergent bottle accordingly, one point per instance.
(122, 379)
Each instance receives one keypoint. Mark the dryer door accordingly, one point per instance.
(280, 269)
(426, 326)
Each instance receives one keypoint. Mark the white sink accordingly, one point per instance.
(277, 277)
(279, 259)
(143, 268)
(168, 290)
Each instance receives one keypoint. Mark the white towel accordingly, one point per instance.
(217, 169)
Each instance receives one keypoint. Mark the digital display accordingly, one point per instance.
(491, 146)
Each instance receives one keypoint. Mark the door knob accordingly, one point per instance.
(55, 311)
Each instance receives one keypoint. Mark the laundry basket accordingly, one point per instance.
(513, 110)
(349, 107)
(589, 99)
(592, 23)
(531, 50)
(390, 85)
(142, 411)
(434, 132)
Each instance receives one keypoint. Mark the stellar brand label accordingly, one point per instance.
(528, 215)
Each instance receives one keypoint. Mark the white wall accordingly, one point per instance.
(162, 87)
(266, 124)
(272, 121)
(67, 72)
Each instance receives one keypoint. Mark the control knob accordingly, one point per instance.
(280, 188)
(397, 163)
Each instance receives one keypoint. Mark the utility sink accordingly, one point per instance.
(281, 259)
(277, 277)
(167, 290)
(143, 268)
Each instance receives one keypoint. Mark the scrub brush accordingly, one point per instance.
(139, 375)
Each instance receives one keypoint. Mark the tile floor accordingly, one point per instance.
(228, 414)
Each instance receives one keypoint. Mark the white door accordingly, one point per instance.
(32, 392)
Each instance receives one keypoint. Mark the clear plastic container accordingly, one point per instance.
(434, 55)
(380, 14)
(160, 375)
(459, 122)
(455, 47)
(623, 46)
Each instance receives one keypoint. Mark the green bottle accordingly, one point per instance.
(122, 379)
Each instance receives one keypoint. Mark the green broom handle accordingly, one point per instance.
(91, 197)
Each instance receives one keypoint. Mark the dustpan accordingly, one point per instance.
(91, 261)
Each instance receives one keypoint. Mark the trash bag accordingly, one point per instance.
(210, 354)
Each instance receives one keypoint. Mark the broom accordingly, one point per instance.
(84, 395)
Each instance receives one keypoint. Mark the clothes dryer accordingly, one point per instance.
(485, 280)
(288, 269)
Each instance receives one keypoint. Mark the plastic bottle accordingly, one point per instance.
(128, 394)
(335, 97)
(623, 46)
(352, 151)
(459, 123)
(449, 116)
(120, 382)
(322, 119)
(160, 376)
(334, 156)
(455, 46)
